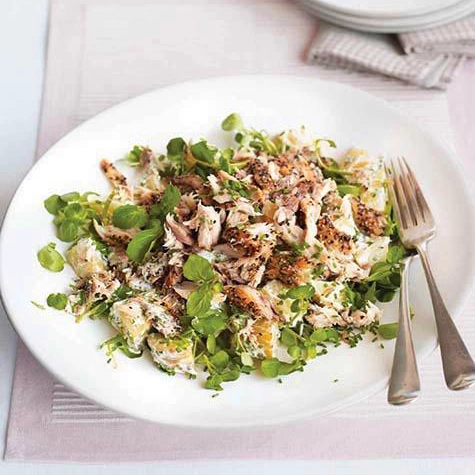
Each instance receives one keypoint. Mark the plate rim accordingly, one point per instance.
(386, 15)
(299, 416)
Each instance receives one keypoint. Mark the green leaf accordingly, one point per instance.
(287, 368)
(68, 231)
(388, 331)
(396, 252)
(211, 324)
(129, 216)
(231, 375)
(199, 302)
(303, 292)
(75, 212)
(72, 196)
(141, 244)
(211, 343)
(220, 360)
(176, 146)
(133, 157)
(203, 152)
(176, 154)
(198, 269)
(54, 204)
(294, 352)
(57, 301)
(354, 190)
(270, 368)
(214, 382)
(50, 258)
(319, 335)
(118, 343)
(288, 337)
(246, 359)
(332, 335)
(232, 122)
(379, 271)
(170, 199)
(385, 295)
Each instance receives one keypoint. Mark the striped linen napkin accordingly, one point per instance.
(429, 58)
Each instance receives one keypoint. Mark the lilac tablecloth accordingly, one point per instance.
(103, 51)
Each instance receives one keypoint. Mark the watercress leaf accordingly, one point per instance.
(214, 382)
(247, 360)
(319, 335)
(203, 152)
(68, 231)
(385, 295)
(396, 252)
(50, 258)
(57, 301)
(129, 216)
(288, 337)
(379, 271)
(133, 157)
(198, 269)
(232, 122)
(170, 198)
(118, 343)
(344, 189)
(332, 335)
(220, 360)
(371, 293)
(270, 367)
(211, 324)
(72, 196)
(199, 303)
(176, 146)
(232, 374)
(141, 244)
(388, 331)
(311, 352)
(54, 204)
(296, 306)
(301, 292)
(287, 368)
(294, 352)
(211, 344)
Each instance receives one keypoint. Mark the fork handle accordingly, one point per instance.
(404, 385)
(458, 365)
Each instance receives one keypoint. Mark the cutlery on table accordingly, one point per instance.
(416, 229)
(404, 384)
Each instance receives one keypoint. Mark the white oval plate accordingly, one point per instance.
(193, 110)
(386, 8)
(391, 25)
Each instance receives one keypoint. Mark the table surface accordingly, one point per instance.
(22, 51)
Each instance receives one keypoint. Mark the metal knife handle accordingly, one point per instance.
(458, 365)
(404, 385)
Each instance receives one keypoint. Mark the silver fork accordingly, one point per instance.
(416, 228)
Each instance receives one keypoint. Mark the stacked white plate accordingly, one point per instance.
(389, 16)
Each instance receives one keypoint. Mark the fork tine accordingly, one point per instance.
(393, 195)
(407, 219)
(409, 194)
(421, 201)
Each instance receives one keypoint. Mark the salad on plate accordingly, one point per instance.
(251, 258)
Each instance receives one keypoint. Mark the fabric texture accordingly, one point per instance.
(428, 58)
(95, 60)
